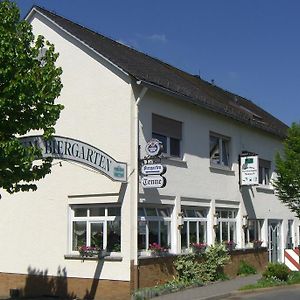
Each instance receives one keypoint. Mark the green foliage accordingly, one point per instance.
(245, 268)
(206, 267)
(169, 287)
(287, 183)
(277, 270)
(29, 84)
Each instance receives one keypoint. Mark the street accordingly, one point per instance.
(290, 293)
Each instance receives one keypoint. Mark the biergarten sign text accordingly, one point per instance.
(70, 149)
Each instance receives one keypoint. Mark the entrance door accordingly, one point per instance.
(274, 240)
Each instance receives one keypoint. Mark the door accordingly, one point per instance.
(274, 240)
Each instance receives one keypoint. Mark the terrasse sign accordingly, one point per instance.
(59, 147)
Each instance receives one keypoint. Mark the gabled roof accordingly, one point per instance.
(160, 75)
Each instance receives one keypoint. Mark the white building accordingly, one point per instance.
(116, 99)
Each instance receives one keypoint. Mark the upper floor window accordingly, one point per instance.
(169, 132)
(219, 149)
(264, 171)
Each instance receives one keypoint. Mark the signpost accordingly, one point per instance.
(152, 171)
(248, 170)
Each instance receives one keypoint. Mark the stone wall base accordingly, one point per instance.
(34, 285)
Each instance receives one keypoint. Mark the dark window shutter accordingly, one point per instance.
(166, 126)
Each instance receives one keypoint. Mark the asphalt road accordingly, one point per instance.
(291, 293)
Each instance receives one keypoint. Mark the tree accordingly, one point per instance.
(287, 183)
(29, 84)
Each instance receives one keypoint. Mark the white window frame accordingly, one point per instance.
(158, 219)
(257, 231)
(198, 220)
(226, 140)
(89, 220)
(265, 174)
(167, 151)
(229, 220)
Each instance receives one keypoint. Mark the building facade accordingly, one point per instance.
(116, 100)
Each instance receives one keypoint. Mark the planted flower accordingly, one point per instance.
(88, 251)
(157, 249)
(199, 248)
(257, 244)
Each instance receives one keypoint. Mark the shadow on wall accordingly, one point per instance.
(39, 283)
(247, 195)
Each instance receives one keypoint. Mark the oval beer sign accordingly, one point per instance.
(153, 147)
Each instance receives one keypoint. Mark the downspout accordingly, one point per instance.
(136, 198)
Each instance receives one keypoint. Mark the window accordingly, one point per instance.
(253, 231)
(154, 226)
(219, 150)
(264, 171)
(169, 132)
(96, 226)
(226, 229)
(194, 227)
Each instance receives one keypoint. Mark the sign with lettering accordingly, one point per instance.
(153, 181)
(249, 170)
(70, 149)
(153, 169)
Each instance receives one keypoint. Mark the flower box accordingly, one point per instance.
(198, 248)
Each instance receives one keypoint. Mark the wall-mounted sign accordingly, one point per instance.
(153, 169)
(249, 170)
(153, 147)
(153, 181)
(69, 149)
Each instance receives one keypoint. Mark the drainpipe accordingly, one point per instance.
(136, 184)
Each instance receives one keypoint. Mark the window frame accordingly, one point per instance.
(221, 139)
(264, 176)
(89, 220)
(158, 218)
(231, 220)
(258, 225)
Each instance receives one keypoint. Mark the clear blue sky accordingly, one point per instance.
(249, 47)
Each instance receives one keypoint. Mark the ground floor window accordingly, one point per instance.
(154, 226)
(96, 226)
(289, 238)
(194, 228)
(226, 228)
(253, 231)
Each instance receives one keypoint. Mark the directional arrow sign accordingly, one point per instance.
(153, 169)
(153, 181)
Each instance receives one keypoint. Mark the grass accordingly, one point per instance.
(294, 278)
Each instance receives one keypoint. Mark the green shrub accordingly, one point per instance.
(245, 268)
(187, 267)
(277, 270)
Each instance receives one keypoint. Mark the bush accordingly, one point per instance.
(277, 270)
(187, 267)
(245, 268)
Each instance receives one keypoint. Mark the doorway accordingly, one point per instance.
(274, 240)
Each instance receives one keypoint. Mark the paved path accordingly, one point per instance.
(219, 290)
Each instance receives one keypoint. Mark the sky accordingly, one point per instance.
(248, 47)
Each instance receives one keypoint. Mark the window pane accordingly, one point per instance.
(141, 212)
(151, 212)
(190, 213)
(225, 236)
(193, 232)
(142, 235)
(184, 242)
(97, 211)
(202, 232)
(80, 212)
(79, 235)
(163, 212)
(114, 236)
(214, 151)
(164, 234)
(201, 213)
(225, 154)
(153, 232)
(218, 233)
(162, 139)
(114, 211)
(174, 147)
(224, 214)
(97, 235)
(232, 228)
(260, 175)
